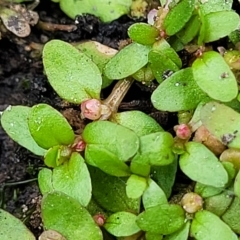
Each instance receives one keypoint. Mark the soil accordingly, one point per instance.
(22, 82)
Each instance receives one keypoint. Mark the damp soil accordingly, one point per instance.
(22, 82)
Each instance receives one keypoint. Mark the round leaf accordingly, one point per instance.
(122, 224)
(143, 33)
(48, 127)
(118, 140)
(215, 25)
(181, 234)
(163, 219)
(178, 92)
(135, 186)
(106, 10)
(201, 165)
(219, 84)
(137, 121)
(223, 122)
(13, 228)
(134, 56)
(71, 73)
(215, 6)
(207, 226)
(178, 16)
(14, 121)
(65, 215)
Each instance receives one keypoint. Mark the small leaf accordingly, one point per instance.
(153, 236)
(135, 56)
(155, 149)
(201, 165)
(136, 185)
(206, 191)
(164, 176)
(14, 121)
(139, 122)
(13, 228)
(48, 127)
(110, 192)
(223, 122)
(219, 84)
(232, 215)
(120, 141)
(51, 157)
(105, 10)
(143, 33)
(122, 224)
(65, 215)
(215, 26)
(178, 92)
(215, 6)
(153, 195)
(45, 180)
(163, 219)
(181, 234)
(207, 226)
(178, 16)
(71, 73)
(237, 185)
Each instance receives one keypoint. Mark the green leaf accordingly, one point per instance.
(65, 215)
(164, 176)
(215, 25)
(190, 30)
(214, 6)
(155, 149)
(206, 191)
(218, 204)
(153, 195)
(13, 228)
(51, 157)
(201, 165)
(106, 10)
(45, 180)
(178, 16)
(14, 121)
(122, 224)
(207, 226)
(110, 192)
(181, 234)
(139, 122)
(135, 56)
(163, 219)
(223, 122)
(232, 215)
(99, 54)
(143, 33)
(136, 185)
(48, 127)
(178, 92)
(71, 178)
(237, 185)
(153, 236)
(71, 73)
(120, 141)
(105, 160)
(219, 84)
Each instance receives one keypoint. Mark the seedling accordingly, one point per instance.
(119, 171)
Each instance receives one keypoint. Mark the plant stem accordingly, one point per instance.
(113, 101)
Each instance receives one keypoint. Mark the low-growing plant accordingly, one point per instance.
(114, 177)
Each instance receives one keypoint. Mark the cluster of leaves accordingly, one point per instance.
(119, 172)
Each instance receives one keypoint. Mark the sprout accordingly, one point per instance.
(192, 202)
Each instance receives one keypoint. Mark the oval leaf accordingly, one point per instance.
(163, 219)
(178, 16)
(139, 122)
(48, 127)
(13, 228)
(66, 216)
(219, 84)
(201, 165)
(14, 121)
(143, 33)
(207, 226)
(71, 73)
(181, 234)
(178, 92)
(135, 56)
(122, 224)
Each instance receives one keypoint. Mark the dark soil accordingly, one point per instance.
(22, 83)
